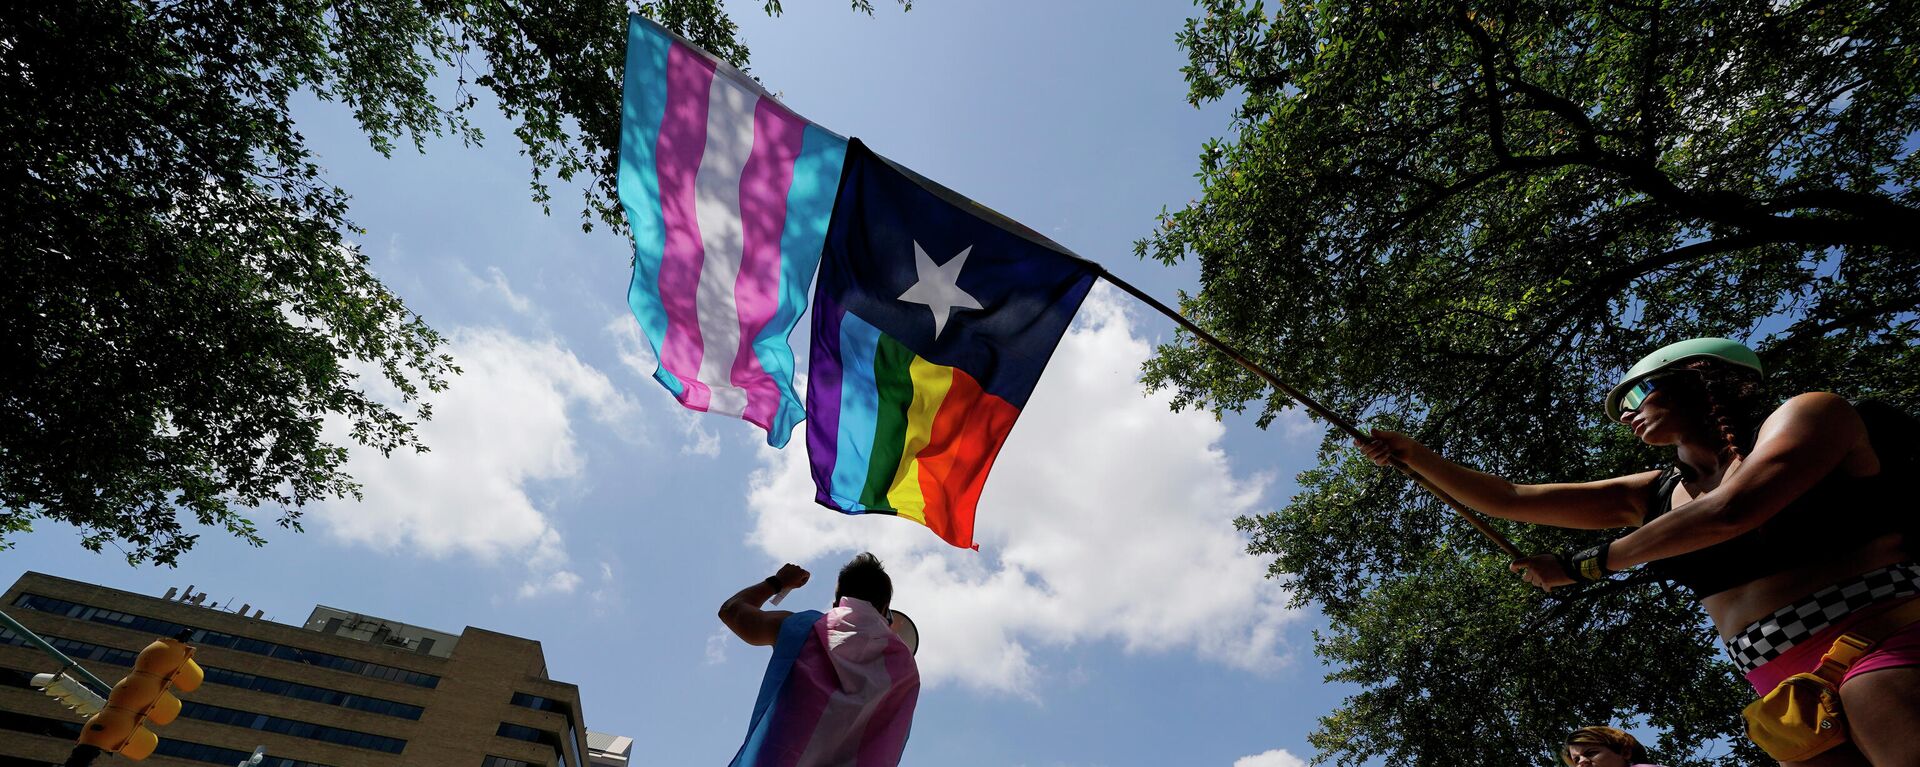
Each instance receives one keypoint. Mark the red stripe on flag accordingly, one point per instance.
(967, 435)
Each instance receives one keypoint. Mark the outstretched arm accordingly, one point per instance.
(1616, 502)
(742, 612)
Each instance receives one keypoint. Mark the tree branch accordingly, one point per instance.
(1880, 222)
(1596, 290)
(1801, 333)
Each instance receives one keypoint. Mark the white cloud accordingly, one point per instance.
(1274, 758)
(556, 582)
(635, 352)
(496, 283)
(637, 355)
(605, 599)
(504, 423)
(717, 648)
(700, 440)
(1107, 518)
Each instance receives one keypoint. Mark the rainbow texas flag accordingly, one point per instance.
(932, 320)
(728, 194)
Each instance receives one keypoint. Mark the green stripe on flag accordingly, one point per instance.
(893, 377)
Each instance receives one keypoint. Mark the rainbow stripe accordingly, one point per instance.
(915, 438)
(728, 194)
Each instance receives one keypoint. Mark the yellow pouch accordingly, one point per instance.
(1798, 720)
(1801, 718)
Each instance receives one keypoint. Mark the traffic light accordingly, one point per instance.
(142, 697)
(70, 692)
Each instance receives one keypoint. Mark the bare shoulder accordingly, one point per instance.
(1816, 416)
(1816, 402)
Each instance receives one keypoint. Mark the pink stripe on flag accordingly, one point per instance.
(764, 183)
(683, 139)
(803, 702)
(882, 743)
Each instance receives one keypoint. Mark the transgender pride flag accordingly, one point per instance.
(839, 691)
(728, 194)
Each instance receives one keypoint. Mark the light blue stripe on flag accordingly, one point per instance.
(816, 182)
(643, 107)
(859, 411)
(792, 638)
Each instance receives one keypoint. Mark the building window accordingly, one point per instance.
(55, 728)
(538, 703)
(75, 650)
(288, 689)
(217, 675)
(529, 734)
(291, 727)
(39, 725)
(218, 639)
(501, 761)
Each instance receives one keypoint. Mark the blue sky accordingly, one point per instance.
(1111, 617)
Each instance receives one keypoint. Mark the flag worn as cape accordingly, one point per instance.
(932, 320)
(840, 690)
(728, 194)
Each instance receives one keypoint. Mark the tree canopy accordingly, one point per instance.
(1464, 221)
(186, 307)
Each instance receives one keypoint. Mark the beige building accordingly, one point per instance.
(605, 750)
(343, 690)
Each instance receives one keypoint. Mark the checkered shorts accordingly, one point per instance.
(1770, 637)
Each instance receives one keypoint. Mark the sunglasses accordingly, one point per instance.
(1630, 401)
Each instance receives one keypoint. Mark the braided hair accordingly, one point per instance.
(1728, 399)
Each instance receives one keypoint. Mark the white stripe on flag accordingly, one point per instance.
(717, 208)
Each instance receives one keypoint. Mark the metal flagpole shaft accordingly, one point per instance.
(1331, 417)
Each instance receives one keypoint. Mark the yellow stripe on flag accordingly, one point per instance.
(930, 384)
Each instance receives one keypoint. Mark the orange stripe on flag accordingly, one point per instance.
(966, 436)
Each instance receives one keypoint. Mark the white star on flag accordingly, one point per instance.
(939, 286)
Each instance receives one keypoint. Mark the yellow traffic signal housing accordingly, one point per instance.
(143, 697)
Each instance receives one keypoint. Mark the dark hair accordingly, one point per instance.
(1619, 741)
(864, 578)
(1727, 399)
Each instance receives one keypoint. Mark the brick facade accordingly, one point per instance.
(457, 727)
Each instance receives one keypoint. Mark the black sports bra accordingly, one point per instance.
(1838, 513)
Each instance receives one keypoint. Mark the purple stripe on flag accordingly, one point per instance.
(764, 182)
(823, 396)
(683, 139)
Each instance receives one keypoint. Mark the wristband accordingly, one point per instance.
(774, 581)
(1588, 565)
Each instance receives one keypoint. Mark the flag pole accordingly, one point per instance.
(1331, 417)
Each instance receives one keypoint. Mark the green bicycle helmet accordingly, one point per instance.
(1724, 350)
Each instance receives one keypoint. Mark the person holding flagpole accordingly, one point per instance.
(841, 686)
(1780, 521)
